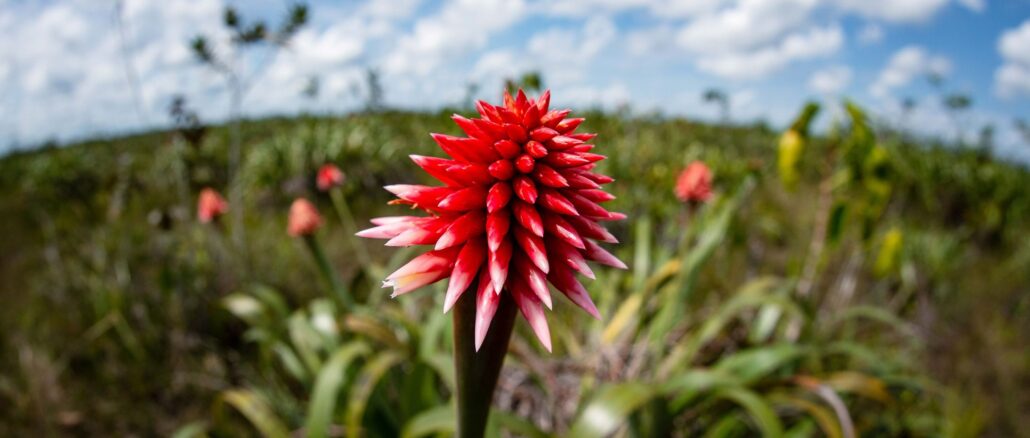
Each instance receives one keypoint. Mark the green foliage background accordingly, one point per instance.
(886, 278)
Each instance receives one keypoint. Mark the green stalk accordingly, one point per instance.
(476, 373)
(327, 270)
(349, 226)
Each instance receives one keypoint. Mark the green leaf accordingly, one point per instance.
(364, 384)
(255, 409)
(761, 412)
(755, 363)
(436, 420)
(196, 429)
(306, 341)
(330, 380)
(610, 408)
(517, 425)
(710, 237)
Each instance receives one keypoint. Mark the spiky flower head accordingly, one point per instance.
(329, 176)
(210, 205)
(694, 183)
(519, 208)
(303, 219)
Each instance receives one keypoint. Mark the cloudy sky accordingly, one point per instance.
(81, 68)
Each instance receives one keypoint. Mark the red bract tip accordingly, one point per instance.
(304, 218)
(519, 209)
(329, 176)
(694, 183)
(210, 205)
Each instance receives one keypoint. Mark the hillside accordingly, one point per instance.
(116, 320)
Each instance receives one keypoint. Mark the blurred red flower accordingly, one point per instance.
(519, 197)
(210, 205)
(694, 183)
(329, 176)
(304, 218)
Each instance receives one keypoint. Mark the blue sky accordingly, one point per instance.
(65, 66)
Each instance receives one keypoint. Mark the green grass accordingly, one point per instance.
(123, 315)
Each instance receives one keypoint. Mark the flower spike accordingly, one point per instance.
(518, 210)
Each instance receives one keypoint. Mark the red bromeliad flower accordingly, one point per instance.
(519, 208)
(694, 183)
(210, 205)
(329, 176)
(304, 218)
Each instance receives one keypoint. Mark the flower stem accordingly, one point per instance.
(327, 270)
(349, 225)
(476, 373)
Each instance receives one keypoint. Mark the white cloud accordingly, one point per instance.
(906, 65)
(748, 25)
(753, 64)
(871, 33)
(831, 80)
(899, 11)
(974, 5)
(1012, 79)
(564, 54)
(460, 27)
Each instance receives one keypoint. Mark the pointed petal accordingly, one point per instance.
(392, 219)
(507, 149)
(387, 230)
(525, 189)
(543, 134)
(578, 181)
(465, 199)
(565, 159)
(556, 225)
(528, 217)
(494, 130)
(502, 170)
(470, 127)
(586, 207)
(532, 277)
(549, 177)
(565, 281)
(536, 149)
(466, 149)
(488, 111)
(591, 230)
(416, 235)
(596, 253)
(516, 132)
(531, 116)
(544, 102)
(582, 136)
(568, 125)
(498, 264)
(486, 307)
(525, 163)
(408, 283)
(424, 197)
(497, 224)
(563, 253)
(551, 118)
(533, 247)
(554, 201)
(498, 197)
(470, 259)
(437, 167)
(533, 311)
(597, 195)
(442, 260)
(562, 142)
(467, 226)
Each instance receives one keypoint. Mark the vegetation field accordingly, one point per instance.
(857, 282)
